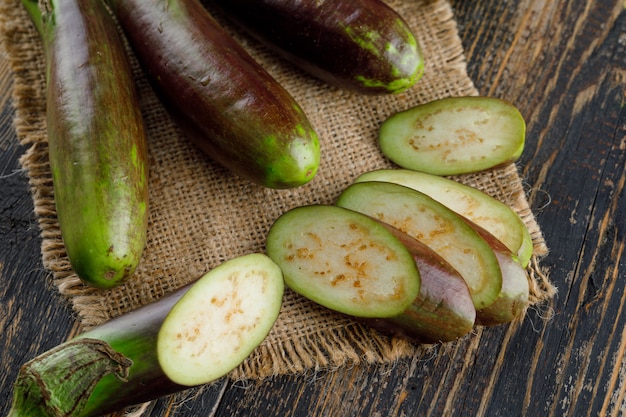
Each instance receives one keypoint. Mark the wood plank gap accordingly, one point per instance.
(497, 369)
(612, 277)
(619, 354)
(539, 349)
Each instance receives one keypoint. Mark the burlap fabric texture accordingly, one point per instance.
(201, 215)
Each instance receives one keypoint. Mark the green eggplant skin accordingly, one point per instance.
(135, 334)
(358, 45)
(96, 138)
(231, 107)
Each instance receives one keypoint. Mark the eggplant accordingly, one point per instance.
(443, 310)
(454, 135)
(226, 103)
(438, 227)
(96, 140)
(193, 336)
(363, 268)
(514, 297)
(494, 216)
(360, 45)
(344, 261)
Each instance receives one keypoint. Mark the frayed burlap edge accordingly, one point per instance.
(339, 342)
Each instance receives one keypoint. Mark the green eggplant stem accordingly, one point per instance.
(59, 382)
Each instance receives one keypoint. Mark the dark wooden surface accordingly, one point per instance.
(564, 65)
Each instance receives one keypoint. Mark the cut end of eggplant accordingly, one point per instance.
(484, 210)
(433, 224)
(454, 135)
(344, 261)
(220, 320)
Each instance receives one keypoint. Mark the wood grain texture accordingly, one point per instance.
(32, 317)
(564, 65)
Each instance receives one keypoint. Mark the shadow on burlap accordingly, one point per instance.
(201, 215)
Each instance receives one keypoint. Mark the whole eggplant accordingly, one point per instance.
(359, 45)
(96, 139)
(221, 97)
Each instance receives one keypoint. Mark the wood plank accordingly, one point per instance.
(566, 99)
(33, 318)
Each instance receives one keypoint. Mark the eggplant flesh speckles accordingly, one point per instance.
(463, 137)
(352, 267)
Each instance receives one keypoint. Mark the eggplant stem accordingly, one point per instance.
(59, 382)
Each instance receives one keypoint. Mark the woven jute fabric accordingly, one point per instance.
(202, 215)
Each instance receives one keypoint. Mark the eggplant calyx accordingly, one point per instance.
(73, 369)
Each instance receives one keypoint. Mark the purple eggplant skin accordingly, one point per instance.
(231, 107)
(96, 139)
(443, 311)
(358, 45)
(513, 299)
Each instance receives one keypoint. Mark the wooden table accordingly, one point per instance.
(563, 63)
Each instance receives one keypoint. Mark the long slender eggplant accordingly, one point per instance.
(226, 102)
(96, 139)
(193, 336)
(360, 45)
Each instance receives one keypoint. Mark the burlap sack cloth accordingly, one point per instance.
(201, 215)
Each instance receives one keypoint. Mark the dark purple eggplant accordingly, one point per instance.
(359, 45)
(224, 100)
